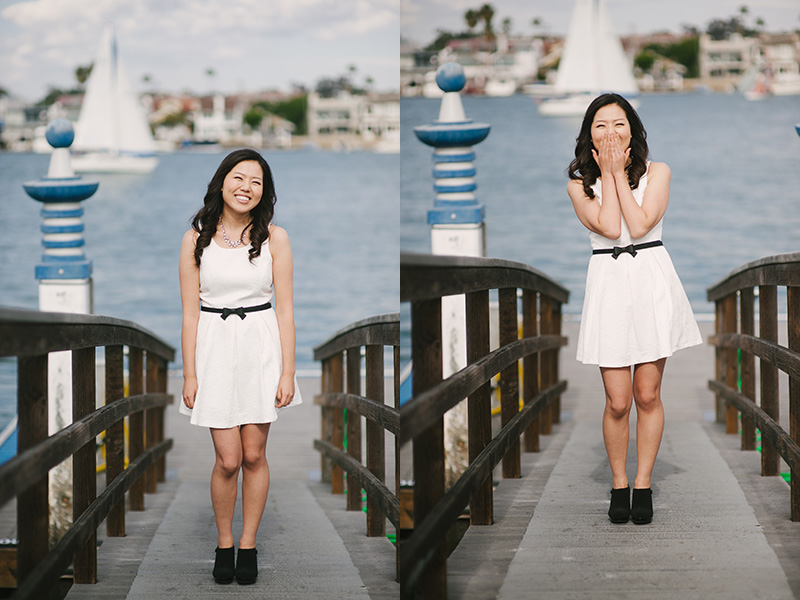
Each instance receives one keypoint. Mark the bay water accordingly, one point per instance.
(341, 211)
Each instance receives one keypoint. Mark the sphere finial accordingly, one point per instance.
(60, 133)
(450, 77)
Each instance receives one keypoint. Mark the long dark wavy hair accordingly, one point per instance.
(585, 169)
(206, 220)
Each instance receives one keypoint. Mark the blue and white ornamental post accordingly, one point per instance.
(65, 285)
(457, 228)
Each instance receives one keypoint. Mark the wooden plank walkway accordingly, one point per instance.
(309, 545)
(720, 530)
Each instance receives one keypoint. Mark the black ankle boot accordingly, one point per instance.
(223, 565)
(642, 509)
(620, 508)
(246, 566)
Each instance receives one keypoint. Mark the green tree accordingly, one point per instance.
(486, 14)
(293, 110)
(685, 52)
(507, 26)
(472, 18)
(644, 60)
(82, 73)
(253, 117)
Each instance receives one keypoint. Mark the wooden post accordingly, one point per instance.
(546, 327)
(428, 447)
(555, 407)
(530, 366)
(479, 405)
(136, 422)
(730, 361)
(161, 464)
(719, 366)
(793, 309)
(768, 330)
(151, 423)
(747, 321)
(509, 378)
(33, 508)
(84, 464)
(396, 353)
(376, 454)
(353, 426)
(115, 438)
(337, 427)
(326, 422)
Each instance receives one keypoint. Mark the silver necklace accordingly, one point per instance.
(225, 236)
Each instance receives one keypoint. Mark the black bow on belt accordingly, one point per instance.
(226, 312)
(617, 250)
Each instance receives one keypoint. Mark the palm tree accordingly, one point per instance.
(507, 26)
(472, 18)
(486, 13)
(82, 74)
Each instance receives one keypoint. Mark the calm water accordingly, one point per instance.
(341, 212)
(735, 193)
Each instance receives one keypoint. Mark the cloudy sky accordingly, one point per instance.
(250, 44)
(421, 18)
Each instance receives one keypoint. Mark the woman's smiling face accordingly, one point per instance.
(243, 186)
(611, 118)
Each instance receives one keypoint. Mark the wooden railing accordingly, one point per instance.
(735, 333)
(424, 280)
(31, 336)
(341, 400)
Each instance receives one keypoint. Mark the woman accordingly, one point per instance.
(238, 342)
(635, 311)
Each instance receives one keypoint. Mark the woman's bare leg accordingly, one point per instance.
(224, 481)
(619, 396)
(255, 480)
(647, 379)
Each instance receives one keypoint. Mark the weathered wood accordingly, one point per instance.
(530, 366)
(730, 360)
(747, 327)
(428, 276)
(779, 437)
(136, 423)
(161, 464)
(555, 407)
(326, 421)
(32, 505)
(422, 410)
(151, 422)
(479, 406)
(384, 498)
(381, 330)
(509, 378)
(337, 421)
(115, 437)
(546, 360)
(416, 550)
(428, 446)
(386, 416)
(783, 269)
(719, 367)
(35, 333)
(784, 359)
(84, 465)
(58, 559)
(793, 310)
(376, 450)
(768, 331)
(353, 424)
(24, 470)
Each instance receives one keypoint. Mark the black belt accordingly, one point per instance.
(226, 312)
(630, 249)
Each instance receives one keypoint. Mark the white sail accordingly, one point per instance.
(112, 121)
(593, 61)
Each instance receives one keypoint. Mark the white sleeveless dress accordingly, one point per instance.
(238, 361)
(635, 309)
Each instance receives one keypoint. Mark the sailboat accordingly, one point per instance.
(112, 134)
(593, 62)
